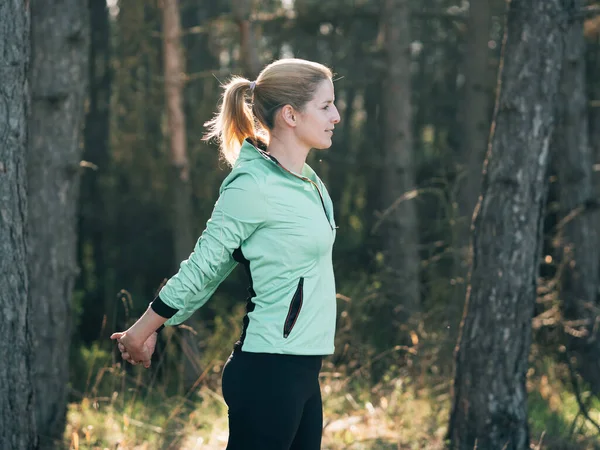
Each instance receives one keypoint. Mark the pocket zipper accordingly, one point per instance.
(294, 310)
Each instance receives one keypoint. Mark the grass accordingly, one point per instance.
(128, 409)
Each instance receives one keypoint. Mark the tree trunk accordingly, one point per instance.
(249, 54)
(181, 187)
(58, 87)
(593, 78)
(93, 214)
(595, 138)
(17, 418)
(476, 121)
(490, 397)
(475, 126)
(401, 257)
(577, 236)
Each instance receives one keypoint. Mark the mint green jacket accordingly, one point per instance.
(280, 227)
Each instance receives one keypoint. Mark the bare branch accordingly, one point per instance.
(582, 408)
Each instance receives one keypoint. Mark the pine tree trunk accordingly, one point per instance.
(476, 121)
(181, 186)
(17, 418)
(578, 236)
(58, 87)
(93, 215)
(593, 78)
(401, 281)
(490, 396)
(249, 53)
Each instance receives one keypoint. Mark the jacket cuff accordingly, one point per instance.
(162, 309)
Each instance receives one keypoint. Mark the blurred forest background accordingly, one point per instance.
(118, 185)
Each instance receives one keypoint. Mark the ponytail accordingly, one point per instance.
(234, 121)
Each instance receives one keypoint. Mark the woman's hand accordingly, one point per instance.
(133, 350)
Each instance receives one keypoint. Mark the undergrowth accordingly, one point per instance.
(132, 408)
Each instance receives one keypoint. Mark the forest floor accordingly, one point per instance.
(129, 410)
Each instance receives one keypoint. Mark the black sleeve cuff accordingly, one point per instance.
(162, 309)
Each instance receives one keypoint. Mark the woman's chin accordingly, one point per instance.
(323, 145)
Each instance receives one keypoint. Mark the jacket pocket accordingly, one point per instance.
(295, 307)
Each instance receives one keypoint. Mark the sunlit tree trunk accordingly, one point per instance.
(490, 396)
(577, 238)
(17, 417)
(59, 76)
(401, 257)
(181, 186)
(249, 53)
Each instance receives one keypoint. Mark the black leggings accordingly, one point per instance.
(274, 401)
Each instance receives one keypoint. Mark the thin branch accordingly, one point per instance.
(290, 16)
(577, 392)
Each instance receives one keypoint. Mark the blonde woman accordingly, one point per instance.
(273, 216)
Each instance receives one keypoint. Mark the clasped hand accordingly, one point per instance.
(134, 351)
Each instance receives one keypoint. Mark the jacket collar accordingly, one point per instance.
(256, 149)
(253, 149)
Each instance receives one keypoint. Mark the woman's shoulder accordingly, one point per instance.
(251, 177)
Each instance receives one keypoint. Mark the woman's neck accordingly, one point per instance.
(290, 153)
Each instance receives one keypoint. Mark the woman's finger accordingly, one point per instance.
(117, 335)
(121, 347)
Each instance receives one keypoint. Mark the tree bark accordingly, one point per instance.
(401, 257)
(490, 397)
(17, 417)
(58, 86)
(181, 186)
(174, 84)
(577, 238)
(249, 54)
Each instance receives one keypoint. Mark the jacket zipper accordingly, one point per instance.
(310, 181)
(294, 310)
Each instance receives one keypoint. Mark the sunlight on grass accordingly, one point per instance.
(128, 409)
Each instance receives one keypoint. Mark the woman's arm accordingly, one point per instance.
(239, 211)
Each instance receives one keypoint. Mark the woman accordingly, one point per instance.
(273, 216)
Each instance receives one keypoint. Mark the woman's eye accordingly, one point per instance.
(326, 107)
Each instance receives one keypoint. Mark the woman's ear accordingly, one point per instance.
(288, 114)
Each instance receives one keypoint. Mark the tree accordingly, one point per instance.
(577, 238)
(490, 397)
(401, 280)
(17, 418)
(181, 188)
(92, 233)
(249, 52)
(59, 74)
(475, 121)
(174, 84)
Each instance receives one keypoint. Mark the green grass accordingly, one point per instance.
(130, 409)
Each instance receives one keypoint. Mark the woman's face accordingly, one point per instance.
(315, 123)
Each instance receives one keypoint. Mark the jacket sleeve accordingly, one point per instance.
(239, 211)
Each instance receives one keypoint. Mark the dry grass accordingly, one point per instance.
(396, 414)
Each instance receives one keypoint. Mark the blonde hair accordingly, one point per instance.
(284, 82)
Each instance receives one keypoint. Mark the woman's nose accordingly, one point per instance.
(336, 118)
